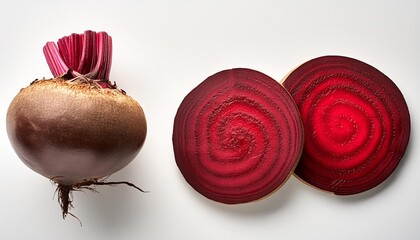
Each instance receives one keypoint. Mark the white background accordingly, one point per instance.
(162, 49)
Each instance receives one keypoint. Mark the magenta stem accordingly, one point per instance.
(55, 62)
(88, 54)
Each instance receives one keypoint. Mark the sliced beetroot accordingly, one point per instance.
(356, 122)
(237, 136)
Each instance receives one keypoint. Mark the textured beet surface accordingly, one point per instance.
(237, 136)
(356, 122)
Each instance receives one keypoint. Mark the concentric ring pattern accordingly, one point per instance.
(356, 123)
(237, 136)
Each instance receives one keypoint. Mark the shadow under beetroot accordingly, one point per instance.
(270, 204)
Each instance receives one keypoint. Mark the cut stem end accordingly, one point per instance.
(88, 54)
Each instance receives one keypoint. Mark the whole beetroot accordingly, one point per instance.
(77, 128)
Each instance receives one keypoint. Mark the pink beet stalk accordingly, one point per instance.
(88, 55)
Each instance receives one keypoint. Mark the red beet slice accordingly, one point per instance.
(237, 136)
(356, 122)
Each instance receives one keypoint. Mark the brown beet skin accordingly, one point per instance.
(69, 132)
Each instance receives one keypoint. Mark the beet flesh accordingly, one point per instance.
(237, 136)
(356, 123)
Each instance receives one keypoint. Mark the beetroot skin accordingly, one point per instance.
(237, 136)
(356, 123)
